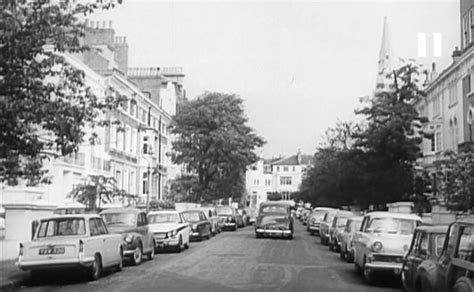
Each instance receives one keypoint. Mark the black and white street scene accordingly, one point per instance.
(236, 145)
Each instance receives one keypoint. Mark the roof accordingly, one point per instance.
(87, 216)
(293, 160)
(468, 219)
(393, 215)
(323, 209)
(275, 203)
(121, 210)
(433, 228)
(344, 214)
(164, 212)
(191, 211)
(356, 218)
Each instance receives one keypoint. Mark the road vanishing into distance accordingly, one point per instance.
(231, 261)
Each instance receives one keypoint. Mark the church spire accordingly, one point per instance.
(386, 59)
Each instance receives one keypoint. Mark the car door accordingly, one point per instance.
(143, 229)
(409, 267)
(111, 243)
(443, 264)
(95, 242)
(205, 227)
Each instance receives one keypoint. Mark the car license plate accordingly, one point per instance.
(55, 250)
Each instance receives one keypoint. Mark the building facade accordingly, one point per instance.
(449, 100)
(282, 176)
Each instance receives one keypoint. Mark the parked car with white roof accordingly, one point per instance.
(382, 241)
(79, 241)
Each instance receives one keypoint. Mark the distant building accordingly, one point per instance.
(386, 62)
(283, 176)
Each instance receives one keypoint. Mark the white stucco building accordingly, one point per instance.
(268, 176)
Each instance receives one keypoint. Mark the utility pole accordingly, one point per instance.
(159, 159)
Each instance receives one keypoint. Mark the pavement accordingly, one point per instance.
(231, 261)
(10, 275)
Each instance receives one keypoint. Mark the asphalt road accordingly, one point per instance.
(231, 261)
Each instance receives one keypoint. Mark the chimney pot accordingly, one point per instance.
(433, 66)
(456, 54)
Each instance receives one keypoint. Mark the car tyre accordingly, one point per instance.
(342, 255)
(137, 255)
(463, 285)
(179, 247)
(368, 274)
(258, 235)
(151, 254)
(119, 266)
(94, 270)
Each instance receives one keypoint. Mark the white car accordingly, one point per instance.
(169, 230)
(382, 241)
(72, 241)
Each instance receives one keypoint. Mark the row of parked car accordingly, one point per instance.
(425, 257)
(93, 242)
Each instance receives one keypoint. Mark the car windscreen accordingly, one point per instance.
(392, 226)
(341, 222)
(129, 219)
(224, 211)
(163, 218)
(191, 216)
(274, 209)
(61, 226)
(319, 215)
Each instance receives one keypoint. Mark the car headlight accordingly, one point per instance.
(229, 218)
(313, 220)
(172, 233)
(129, 238)
(194, 227)
(377, 246)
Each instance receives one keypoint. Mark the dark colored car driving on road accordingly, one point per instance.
(274, 219)
(231, 220)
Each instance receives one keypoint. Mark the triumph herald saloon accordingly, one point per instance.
(274, 219)
(200, 226)
(169, 230)
(229, 217)
(425, 249)
(454, 269)
(347, 246)
(71, 241)
(132, 224)
(382, 241)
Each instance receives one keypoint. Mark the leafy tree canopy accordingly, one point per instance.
(44, 101)
(215, 143)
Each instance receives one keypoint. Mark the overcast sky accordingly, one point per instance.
(299, 66)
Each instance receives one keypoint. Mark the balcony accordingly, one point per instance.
(75, 159)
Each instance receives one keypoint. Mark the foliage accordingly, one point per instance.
(455, 180)
(181, 188)
(215, 143)
(274, 196)
(161, 205)
(44, 101)
(371, 163)
(97, 190)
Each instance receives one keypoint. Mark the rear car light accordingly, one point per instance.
(81, 248)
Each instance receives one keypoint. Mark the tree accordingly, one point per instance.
(373, 162)
(215, 143)
(274, 196)
(181, 188)
(96, 190)
(455, 180)
(44, 101)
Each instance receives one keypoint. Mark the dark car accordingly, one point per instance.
(338, 225)
(231, 220)
(426, 246)
(200, 226)
(454, 269)
(274, 219)
(133, 224)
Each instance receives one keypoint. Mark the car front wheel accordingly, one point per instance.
(137, 255)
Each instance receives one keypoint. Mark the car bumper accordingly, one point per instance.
(55, 264)
(252, 220)
(313, 228)
(395, 268)
(273, 232)
(167, 242)
(195, 236)
(229, 225)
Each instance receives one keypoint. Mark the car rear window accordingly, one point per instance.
(274, 209)
(61, 227)
(129, 219)
(163, 218)
(191, 216)
(466, 244)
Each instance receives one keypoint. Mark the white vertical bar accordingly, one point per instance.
(437, 48)
(421, 44)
